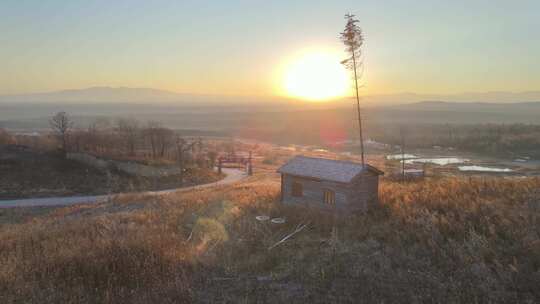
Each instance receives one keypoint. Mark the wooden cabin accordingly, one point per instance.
(329, 184)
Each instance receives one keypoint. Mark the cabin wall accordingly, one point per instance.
(313, 192)
(364, 191)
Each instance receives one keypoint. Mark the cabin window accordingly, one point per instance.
(297, 189)
(329, 197)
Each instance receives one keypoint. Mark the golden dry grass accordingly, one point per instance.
(447, 240)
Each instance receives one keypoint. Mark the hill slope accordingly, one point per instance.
(449, 240)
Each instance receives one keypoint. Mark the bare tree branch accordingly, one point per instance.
(299, 228)
(61, 124)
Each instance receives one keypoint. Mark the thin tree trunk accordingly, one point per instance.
(358, 109)
(64, 143)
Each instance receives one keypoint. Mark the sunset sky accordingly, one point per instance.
(246, 47)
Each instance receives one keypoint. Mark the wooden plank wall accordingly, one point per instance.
(358, 195)
(364, 191)
(313, 192)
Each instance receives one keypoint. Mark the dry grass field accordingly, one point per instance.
(439, 240)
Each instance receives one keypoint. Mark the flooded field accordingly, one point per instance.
(483, 169)
(437, 161)
(455, 162)
(401, 156)
(441, 161)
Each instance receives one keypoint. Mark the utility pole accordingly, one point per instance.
(402, 133)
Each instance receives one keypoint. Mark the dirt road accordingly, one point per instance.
(232, 175)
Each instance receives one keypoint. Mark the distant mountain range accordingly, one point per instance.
(484, 107)
(485, 97)
(149, 95)
(105, 95)
(437, 112)
(235, 112)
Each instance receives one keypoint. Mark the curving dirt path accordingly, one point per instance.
(231, 176)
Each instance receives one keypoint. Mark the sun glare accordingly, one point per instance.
(316, 76)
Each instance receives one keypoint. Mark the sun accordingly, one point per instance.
(316, 76)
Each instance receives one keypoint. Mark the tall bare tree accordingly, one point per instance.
(353, 39)
(61, 124)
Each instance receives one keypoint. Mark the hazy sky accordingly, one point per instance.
(235, 47)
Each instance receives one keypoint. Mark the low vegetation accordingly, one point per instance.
(439, 240)
(30, 174)
(39, 164)
(512, 140)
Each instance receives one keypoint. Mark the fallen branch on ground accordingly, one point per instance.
(190, 235)
(299, 228)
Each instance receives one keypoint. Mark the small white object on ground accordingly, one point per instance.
(278, 220)
(262, 218)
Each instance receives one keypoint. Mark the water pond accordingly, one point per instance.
(483, 169)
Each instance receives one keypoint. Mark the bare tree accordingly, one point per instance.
(92, 140)
(212, 156)
(230, 148)
(165, 139)
(78, 138)
(61, 125)
(129, 131)
(96, 139)
(5, 137)
(353, 39)
(150, 132)
(161, 139)
(183, 147)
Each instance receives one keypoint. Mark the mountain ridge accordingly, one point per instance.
(105, 94)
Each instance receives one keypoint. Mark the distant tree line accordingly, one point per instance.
(125, 138)
(493, 139)
(504, 140)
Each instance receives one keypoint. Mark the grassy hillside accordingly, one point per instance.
(30, 174)
(446, 240)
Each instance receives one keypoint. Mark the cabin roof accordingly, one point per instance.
(325, 169)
